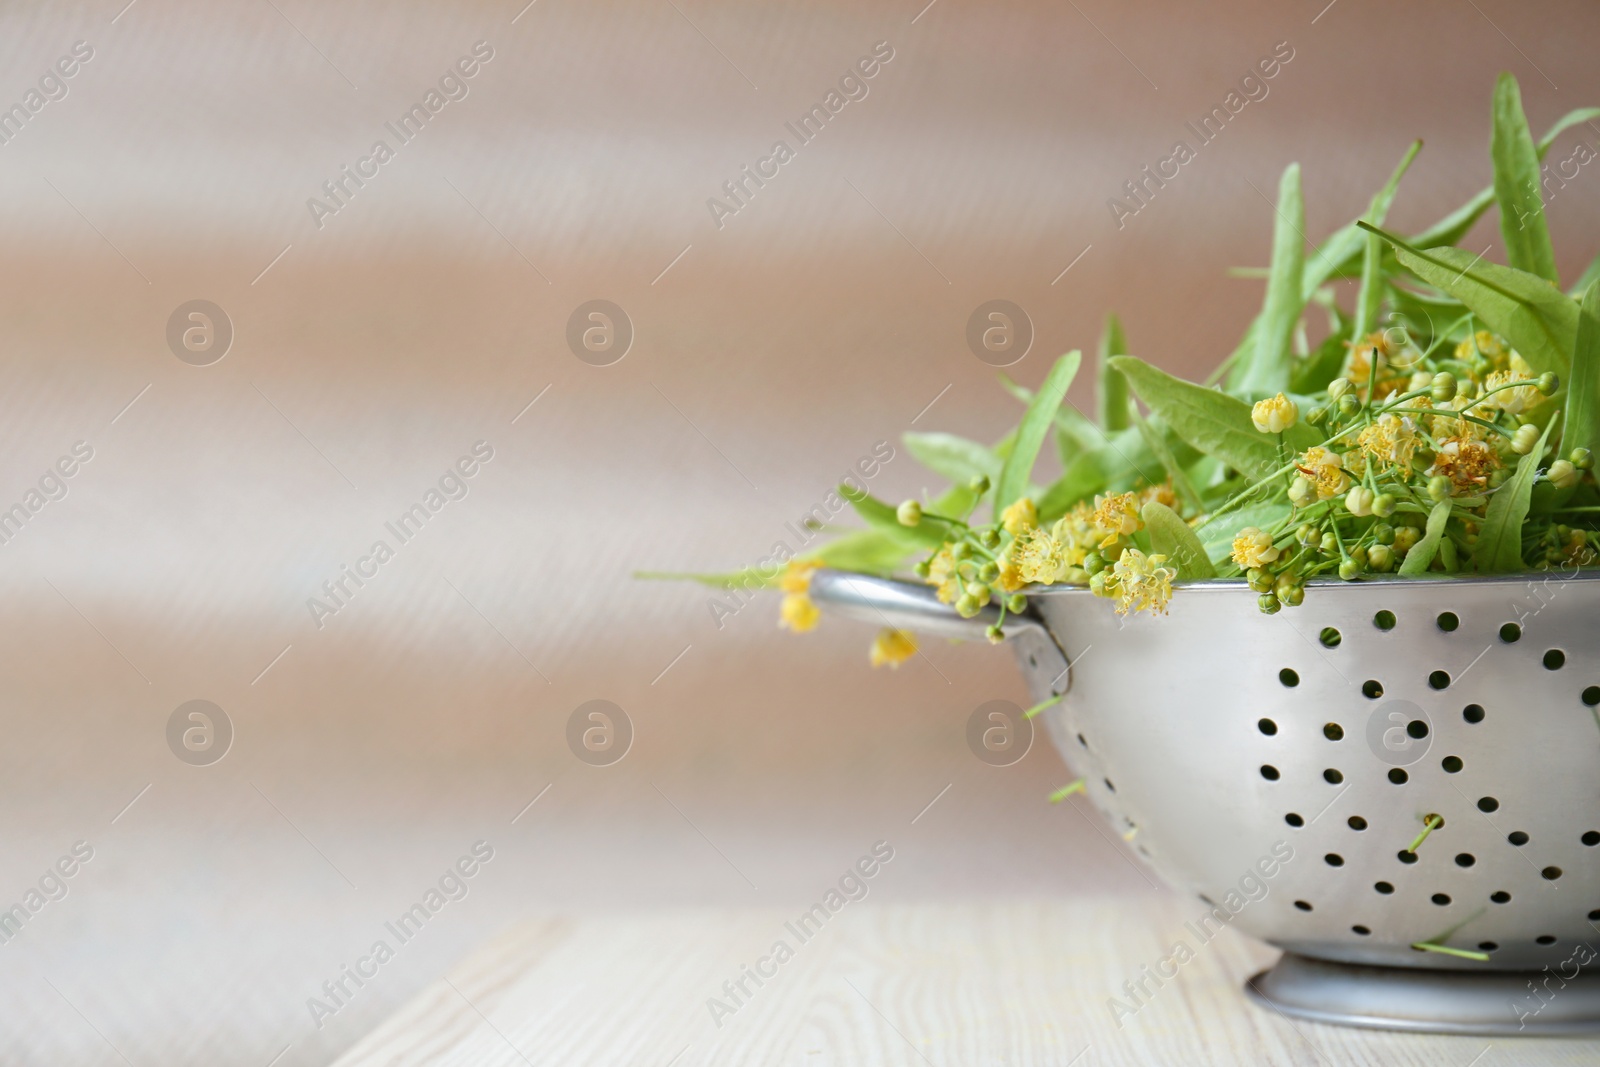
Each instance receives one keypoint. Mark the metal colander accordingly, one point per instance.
(1217, 738)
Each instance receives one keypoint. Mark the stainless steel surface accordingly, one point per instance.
(1494, 1003)
(1278, 767)
(917, 608)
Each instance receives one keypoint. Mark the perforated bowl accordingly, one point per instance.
(1280, 767)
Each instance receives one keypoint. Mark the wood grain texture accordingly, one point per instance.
(1019, 983)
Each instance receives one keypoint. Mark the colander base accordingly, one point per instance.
(1493, 1003)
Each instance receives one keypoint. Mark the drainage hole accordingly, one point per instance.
(1288, 678)
(1384, 620)
(1333, 859)
(1383, 887)
(1465, 859)
(1357, 822)
(1333, 732)
(1500, 896)
(1294, 820)
(1555, 659)
(1332, 776)
(1517, 837)
(1359, 929)
(1372, 689)
(1448, 621)
(1452, 764)
(1474, 712)
(1488, 804)
(1302, 905)
(1330, 637)
(1398, 776)
(1267, 726)
(1441, 899)
(1269, 772)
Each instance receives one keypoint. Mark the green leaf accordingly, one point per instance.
(868, 551)
(1539, 320)
(1217, 535)
(1112, 394)
(1312, 374)
(1212, 422)
(1582, 426)
(1171, 537)
(1454, 226)
(1591, 274)
(1266, 369)
(1499, 547)
(1516, 184)
(1342, 248)
(1031, 432)
(1420, 556)
(881, 516)
(1156, 442)
(956, 458)
(1120, 461)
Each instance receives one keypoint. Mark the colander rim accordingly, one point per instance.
(1386, 581)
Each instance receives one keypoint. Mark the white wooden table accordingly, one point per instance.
(936, 985)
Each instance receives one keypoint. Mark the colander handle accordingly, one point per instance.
(908, 606)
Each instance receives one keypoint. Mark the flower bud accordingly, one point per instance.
(1302, 491)
(1294, 597)
(989, 538)
(1316, 415)
(1548, 382)
(1381, 557)
(1268, 604)
(995, 634)
(989, 572)
(1094, 563)
(1439, 488)
(960, 550)
(1444, 387)
(1275, 414)
(1383, 505)
(1562, 474)
(967, 606)
(1524, 439)
(979, 484)
(1383, 533)
(1017, 604)
(1359, 500)
(1258, 579)
(1339, 387)
(1349, 405)
(1581, 458)
(1349, 570)
(909, 513)
(1406, 537)
(923, 568)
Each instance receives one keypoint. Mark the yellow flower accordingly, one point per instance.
(797, 575)
(1275, 414)
(1117, 515)
(1466, 461)
(1390, 439)
(893, 647)
(1517, 399)
(1139, 582)
(1019, 516)
(1491, 347)
(1358, 368)
(1159, 494)
(798, 613)
(1041, 556)
(1326, 471)
(1010, 578)
(945, 572)
(1253, 548)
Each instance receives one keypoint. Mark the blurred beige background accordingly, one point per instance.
(371, 352)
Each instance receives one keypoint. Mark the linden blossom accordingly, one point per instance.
(452, 87)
